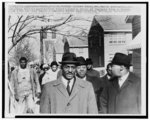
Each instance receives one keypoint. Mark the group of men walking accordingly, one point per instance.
(78, 89)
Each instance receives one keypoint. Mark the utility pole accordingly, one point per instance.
(43, 35)
(41, 46)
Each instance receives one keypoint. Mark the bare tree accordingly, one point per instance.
(22, 28)
(22, 49)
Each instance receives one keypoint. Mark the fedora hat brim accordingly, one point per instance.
(119, 63)
(69, 62)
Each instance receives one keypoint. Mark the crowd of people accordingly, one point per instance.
(74, 87)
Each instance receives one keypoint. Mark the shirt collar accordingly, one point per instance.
(123, 78)
(65, 81)
(108, 77)
(24, 68)
(82, 78)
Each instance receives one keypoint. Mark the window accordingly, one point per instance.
(117, 38)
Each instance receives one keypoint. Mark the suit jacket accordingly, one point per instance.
(104, 81)
(55, 99)
(93, 73)
(124, 100)
(95, 82)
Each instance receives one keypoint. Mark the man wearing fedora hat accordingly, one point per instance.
(123, 94)
(81, 73)
(68, 94)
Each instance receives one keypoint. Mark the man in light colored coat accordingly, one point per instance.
(123, 93)
(68, 94)
(25, 86)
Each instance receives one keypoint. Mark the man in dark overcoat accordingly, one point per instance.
(123, 94)
(106, 78)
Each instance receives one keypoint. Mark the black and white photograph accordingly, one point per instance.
(85, 59)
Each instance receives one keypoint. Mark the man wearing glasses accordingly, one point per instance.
(68, 94)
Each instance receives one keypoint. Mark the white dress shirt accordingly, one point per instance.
(122, 79)
(65, 82)
(82, 78)
(108, 77)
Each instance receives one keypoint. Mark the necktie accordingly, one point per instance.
(68, 87)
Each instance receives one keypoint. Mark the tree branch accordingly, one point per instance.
(76, 36)
(20, 22)
(11, 47)
(16, 29)
(54, 26)
(24, 25)
(76, 27)
(35, 31)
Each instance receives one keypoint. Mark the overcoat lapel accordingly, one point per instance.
(115, 84)
(61, 87)
(75, 90)
(127, 82)
(78, 84)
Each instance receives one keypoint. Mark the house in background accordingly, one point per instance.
(135, 45)
(55, 45)
(77, 44)
(108, 35)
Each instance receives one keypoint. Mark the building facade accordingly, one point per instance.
(78, 45)
(135, 45)
(108, 35)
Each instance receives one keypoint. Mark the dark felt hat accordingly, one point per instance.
(69, 58)
(89, 61)
(81, 61)
(121, 59)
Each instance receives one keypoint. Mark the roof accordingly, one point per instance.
(77, 41)
(113, 22)
(129, 18)
(135, 43)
